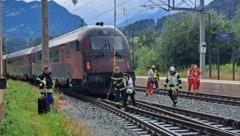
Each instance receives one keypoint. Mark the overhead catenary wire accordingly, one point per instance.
(131, 11)
(109, 19)
(91, 18)
(106, 11)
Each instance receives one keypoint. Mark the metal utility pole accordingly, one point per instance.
(209, 46)
(1, 41)
(1, 71)
(45, 48)
(115, 40)
(133, 57)
(188, 5)
(202, 44)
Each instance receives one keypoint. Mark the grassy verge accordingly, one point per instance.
(21, 116)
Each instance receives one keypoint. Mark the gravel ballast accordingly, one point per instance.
(226, 111)
(102, 123)
(99, 121)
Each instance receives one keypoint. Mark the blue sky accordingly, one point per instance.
(102, 10)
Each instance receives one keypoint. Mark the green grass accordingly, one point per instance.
(225, 72)
(22, 119)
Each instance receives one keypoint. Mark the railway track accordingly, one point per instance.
(145, 122)
(227, 100)
(232, 126)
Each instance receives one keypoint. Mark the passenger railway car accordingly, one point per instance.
(82, 58)
(18, 64)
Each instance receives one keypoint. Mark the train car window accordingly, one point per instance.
(40, 57)
(77, 45)
(54, 56)
(19, 61)
(67, 54)
(119, 42)
(9, 62)
(33, 59)
(106, 43)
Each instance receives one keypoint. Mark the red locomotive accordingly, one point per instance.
(82, 58)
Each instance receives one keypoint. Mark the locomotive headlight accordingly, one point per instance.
(88, 66)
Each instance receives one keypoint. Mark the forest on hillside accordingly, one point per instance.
(177, 43)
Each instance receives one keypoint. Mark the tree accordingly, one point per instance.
(236, 30)
(179, 40)
(147, 38)
(144, 56)
(219, 23)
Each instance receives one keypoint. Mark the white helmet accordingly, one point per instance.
(172, 68)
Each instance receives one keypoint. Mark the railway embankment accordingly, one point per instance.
(21, 116)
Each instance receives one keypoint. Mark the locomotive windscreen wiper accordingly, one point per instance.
(106, 46)
(101, 51)
(118, 55)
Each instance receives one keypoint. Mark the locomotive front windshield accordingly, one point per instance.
(106, 43)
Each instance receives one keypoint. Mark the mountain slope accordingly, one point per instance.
(226, 7)
(143, 16)
(23, 20)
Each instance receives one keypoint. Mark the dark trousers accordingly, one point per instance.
(126, 98)
(120, 95)
(155, 82)
(173, 95)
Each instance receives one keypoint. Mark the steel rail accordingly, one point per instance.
(232, 126)
(174, 124)
(227, 100)
(153, 130)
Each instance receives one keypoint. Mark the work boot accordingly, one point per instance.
(174, 103)
(117, 105)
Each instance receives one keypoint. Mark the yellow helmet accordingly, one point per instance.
(153, 66)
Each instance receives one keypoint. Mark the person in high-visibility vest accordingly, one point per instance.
(155, 77)
(117, 83)
(174, 82)
(46, 85)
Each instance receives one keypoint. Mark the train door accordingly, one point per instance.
(63, 59)
(79, 60)
(30, 65)
(75, 59)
